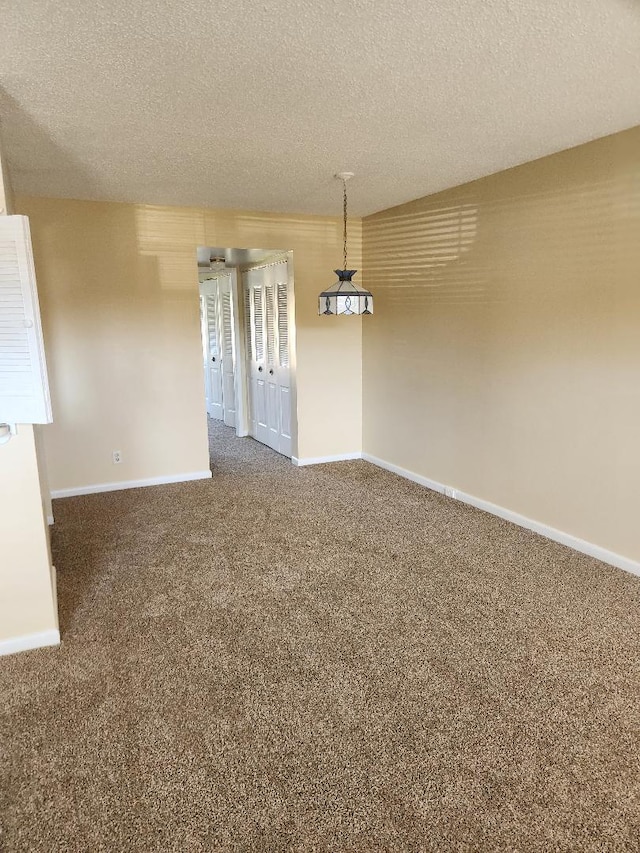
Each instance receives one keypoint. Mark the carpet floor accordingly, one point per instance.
(320, 659)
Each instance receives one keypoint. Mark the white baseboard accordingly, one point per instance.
(54, 593)
(560, 536)
(319, 460)
(130, 484)
(50, 520)
(403, 472)
(30, 641)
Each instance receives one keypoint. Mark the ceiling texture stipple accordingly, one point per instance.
(245, 104)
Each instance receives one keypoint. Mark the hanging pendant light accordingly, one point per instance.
(345, 297)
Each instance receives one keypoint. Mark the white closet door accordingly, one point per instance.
(284, 363)
(216, 409)
(267, 337)
(258, 365)
(273, 403)
(250, 353)
(227, 350)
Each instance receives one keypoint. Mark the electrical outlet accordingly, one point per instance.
(117, 457)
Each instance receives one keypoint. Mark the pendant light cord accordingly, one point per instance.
(344, 208)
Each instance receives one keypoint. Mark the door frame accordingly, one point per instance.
(293, 367)
(205, 351)
(240, 355)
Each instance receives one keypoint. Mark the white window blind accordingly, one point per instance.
(24, 388)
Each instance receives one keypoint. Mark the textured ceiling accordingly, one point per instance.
(249, 104)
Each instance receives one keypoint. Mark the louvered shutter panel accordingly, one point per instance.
(283, 326)
(247, 322)
(212, 325)
(271, 324)
(24, 388)
(227, 324)
(258, 323)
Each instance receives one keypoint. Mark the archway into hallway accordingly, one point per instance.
(247, 327)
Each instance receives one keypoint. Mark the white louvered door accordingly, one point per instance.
(284, 362)
(227, 350)
(24, 389)
(258, 385)
(267, 342)
(250, 354)
(271, 379)
(220, 347)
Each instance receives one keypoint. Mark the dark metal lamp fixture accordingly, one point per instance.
(345, 297)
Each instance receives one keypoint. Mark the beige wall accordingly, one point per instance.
(27, 594)
(504, 355)
(119, 294)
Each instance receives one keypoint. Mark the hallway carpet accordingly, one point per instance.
(320, 659)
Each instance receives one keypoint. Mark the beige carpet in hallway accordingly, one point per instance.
(320, 659)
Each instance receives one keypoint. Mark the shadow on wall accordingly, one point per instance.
(503, 270)
(438, 254)
(412, 255)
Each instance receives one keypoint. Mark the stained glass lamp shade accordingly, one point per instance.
(345, 297)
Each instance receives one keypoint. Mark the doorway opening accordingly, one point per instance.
(247, 326)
